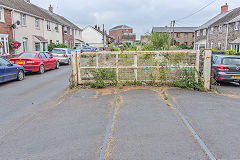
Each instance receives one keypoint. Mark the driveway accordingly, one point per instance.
(41, 119)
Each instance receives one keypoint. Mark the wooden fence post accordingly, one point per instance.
(207, 67)
(136, 65)
(79, 68)
(197, 65)
(158, 65)
(74, 68)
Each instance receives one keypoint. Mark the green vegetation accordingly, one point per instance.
(114, 48)
(51, 46)
(158, 41)
(230, 52)
(103, 75)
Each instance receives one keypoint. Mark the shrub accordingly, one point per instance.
(102, 75)
(230, 52)
(51, 46)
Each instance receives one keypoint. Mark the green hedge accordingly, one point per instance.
(230, 52)
(213, 51)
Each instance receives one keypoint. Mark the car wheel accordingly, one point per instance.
(20, 75)
(41, 69)
(57, 65)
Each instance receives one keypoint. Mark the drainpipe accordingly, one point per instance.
(227, 38)
(207, 38)
(13, 30)
(194, 41)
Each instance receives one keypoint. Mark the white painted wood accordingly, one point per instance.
(136, 65)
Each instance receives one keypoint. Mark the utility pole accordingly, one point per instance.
(173, 32)
(170, 34)
(103, 37)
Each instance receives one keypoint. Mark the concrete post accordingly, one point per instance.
(207, 69)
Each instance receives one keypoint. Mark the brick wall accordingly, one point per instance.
(68, 37)
(117, 35)
(5, 28)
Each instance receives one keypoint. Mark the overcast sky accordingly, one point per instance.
(142, 15)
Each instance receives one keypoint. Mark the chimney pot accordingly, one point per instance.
(95, 26)
(224, 8)
(98, 28)
(50, 8)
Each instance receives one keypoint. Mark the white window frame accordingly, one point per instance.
(236, 26)
(65, 29)
(2, 15)
(37, 22)
(25, 44)
(4, 40)
(198, 33)
(71, 31)
(220, 28)
(204, 32)
(56, 26)
(212, 30)
(23, 19)
(48, 25)
(212, 43)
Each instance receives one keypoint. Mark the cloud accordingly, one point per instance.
(142, 15)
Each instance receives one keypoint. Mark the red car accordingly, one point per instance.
(36, 61)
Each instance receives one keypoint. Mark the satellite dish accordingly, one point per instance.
(56, 28)
(65, 31)
(14, 26)
(18, 22)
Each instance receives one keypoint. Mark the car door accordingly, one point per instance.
(8, 69)
(2, 70)
(52, 63)
(45, 60)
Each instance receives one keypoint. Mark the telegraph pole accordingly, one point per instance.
(173, 32)
(170, 35)
(103, 38)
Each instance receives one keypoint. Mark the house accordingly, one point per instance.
(221, 32)
(122, 33)
(94, 36)
(35, 27)
(6, 30)
(182, 35)
(144, 39)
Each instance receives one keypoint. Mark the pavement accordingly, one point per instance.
(42, 120)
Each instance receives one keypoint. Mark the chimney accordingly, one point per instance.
(96, 26)
(99, 29)
(50, 8)
(224, 8)
(28, 1)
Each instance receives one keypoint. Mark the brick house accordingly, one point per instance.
(6, 32)
(182, 35)
(221, 32)
(122, 33)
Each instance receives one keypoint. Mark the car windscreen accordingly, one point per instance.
(58, 51)
(27, 55)
(231, 61)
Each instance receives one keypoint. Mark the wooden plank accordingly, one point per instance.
(158, 62)
(79, 68)
(136, 66)
(117, 69)
(74, 69)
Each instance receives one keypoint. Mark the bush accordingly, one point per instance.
(113, 47)
(102, 75)
(213, 51)
(174, 48)
(158, 41)
(230, 52)
(51, 46)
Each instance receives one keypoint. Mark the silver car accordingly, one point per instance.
(226, 68)
(62, 54)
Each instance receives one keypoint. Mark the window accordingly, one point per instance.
(23, 19)
(212, 30)
(220, 28)
(178, 35)
(219, 45)
(36, 22)
(42, 55)
(236, 26)
(2, 15)
(66, 42)
(37, 47)
(5, 47)
(212, 44)
(215, 58)
(48, 25)
(57, 41)
(204, 32)
(25, 44)
(198, 33)
(71, 31)
(186, 35)
(56, 28)
(4, 62)
(28, 55)
(47, 55)
(65, 30)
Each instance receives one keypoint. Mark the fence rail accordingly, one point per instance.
(163, 66)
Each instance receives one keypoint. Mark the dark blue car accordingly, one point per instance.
(9, 71)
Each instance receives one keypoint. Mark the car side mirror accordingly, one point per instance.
(10, 64)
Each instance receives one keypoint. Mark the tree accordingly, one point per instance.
(158, 41)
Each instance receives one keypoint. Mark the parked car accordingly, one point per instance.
(36, 61)
(87, 49)
(62, 54)
(9, 71)
(226, 68)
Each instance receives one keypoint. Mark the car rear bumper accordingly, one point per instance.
(31, 68)
(62, 59)
(228, 77)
